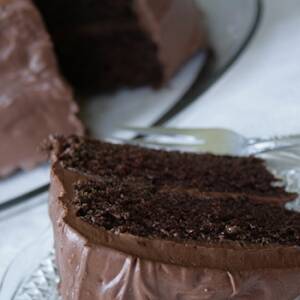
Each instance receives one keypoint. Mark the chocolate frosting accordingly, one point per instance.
(34, 99)
(97, 264)
(176, 26)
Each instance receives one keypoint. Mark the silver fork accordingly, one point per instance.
(214, 140)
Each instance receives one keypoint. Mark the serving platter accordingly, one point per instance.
(231, 25)
(33, 275)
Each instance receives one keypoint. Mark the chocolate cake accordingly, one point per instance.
(107, 44)
(134, 223)
(34, 99)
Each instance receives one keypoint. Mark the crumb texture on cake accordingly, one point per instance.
(141, 208)
(100, 44)
(207, 173)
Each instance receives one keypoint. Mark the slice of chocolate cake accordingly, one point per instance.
(134, 223)
(107, 44)
(34, 100)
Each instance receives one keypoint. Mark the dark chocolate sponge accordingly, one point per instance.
(206, 172)
(103, 45)
(93, 52)
(141, 208)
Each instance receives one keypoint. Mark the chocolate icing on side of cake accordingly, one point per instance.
(34, 100)
(98, 264)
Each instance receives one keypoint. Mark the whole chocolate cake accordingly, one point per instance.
(34, 99)
(134, 223)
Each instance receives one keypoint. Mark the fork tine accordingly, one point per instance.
(166, 131)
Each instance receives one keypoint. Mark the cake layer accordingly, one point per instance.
(140, 208)
(102, 60)
(125, 228)
(34, 100)
(206, 173)
(156, 38)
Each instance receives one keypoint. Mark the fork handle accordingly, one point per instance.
(256, 146)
